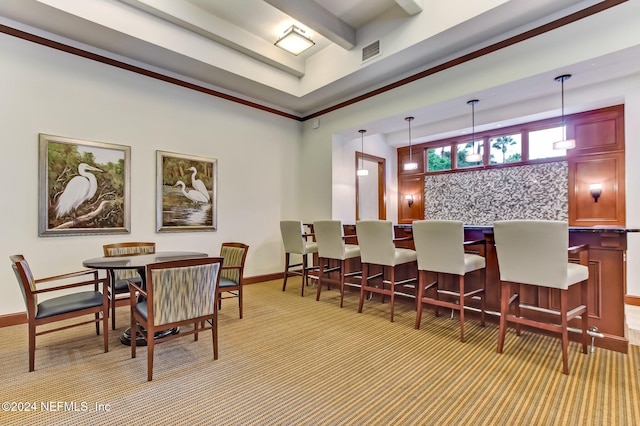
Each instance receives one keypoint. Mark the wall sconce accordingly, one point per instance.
(596, 190)
(409, 199)
(294, 40)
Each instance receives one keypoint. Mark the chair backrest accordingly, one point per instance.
(439, 245)
(375, 238)
(180, 290)
(329, 236)
(233, 255)
(533, 251)
(127, 249)
(292, 238)
(27, 283)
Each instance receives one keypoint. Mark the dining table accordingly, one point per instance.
(140, 262)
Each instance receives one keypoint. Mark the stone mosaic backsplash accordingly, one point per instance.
(480, 197)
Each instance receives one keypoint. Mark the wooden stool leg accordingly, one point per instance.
(565, 332)
(504, 310)
(461, 304)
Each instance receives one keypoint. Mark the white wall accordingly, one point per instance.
(47, 91)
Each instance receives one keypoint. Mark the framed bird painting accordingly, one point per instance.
(186, 197)
(84, 187)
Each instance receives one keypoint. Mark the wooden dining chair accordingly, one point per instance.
(69, 302)
(118, 278)
(232, 273)
(177, 293)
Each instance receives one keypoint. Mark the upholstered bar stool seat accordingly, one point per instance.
(331, 246)
(534, 253)
(295, 242)
(376, 241)
(440, 249)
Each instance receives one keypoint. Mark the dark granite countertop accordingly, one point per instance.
(592, 229)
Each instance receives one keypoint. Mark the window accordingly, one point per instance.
(541, 143)
(439, 158)
(464, 149)
(505, 149)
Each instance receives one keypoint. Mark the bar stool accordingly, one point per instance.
(440, 249)
(331, 246)
(375, 238)
(295, 242)
(534, 253)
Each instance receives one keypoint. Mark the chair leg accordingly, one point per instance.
(112, 303)
(365, 274)
(565, 332)
(286, 270)
(105, 325)
(195, 329)
(584, 296)
(483, 300)
(150, 350)
(133, 331)
(419, 298)
(214, 333)
(240, 300)
(342, 266)
(392, 288)
(97, 316)
(437, 295)
(32, 345)
(461, 305)
(320, 275)
(504, 311)
(305, 274)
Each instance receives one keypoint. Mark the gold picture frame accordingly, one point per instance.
(84, 187)
(187, 195)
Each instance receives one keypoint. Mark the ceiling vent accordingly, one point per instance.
(371, 51)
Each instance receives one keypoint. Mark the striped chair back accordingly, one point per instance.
(127, 249)
(183, 289)
(234, 255)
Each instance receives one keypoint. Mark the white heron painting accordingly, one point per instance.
(85, 188)
(186, 192)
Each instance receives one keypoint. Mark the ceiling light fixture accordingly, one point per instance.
(362, 171)
(410, 165)
(294, 40)
(564, 143)
(475, 156)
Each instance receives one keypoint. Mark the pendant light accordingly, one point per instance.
(362, 171)
(564, 143)
(475, 156)
(410, 165)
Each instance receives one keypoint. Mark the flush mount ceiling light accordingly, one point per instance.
(410, 165)
(294, 40)
(362, 171)
(564, 143)
(475, 156)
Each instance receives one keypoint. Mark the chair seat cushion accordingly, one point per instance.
(226, 282)
(311, 247)
(122, 286)
(576, 273)
(69, 303)
(142, 308)
(473, 262)
(402, 255)
(351, 250)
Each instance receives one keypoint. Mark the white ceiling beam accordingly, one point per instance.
(318, 19)
(194, 19)
(411, 7)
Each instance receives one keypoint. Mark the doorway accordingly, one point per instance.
(370, 189)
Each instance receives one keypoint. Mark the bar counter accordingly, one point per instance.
(607, 286)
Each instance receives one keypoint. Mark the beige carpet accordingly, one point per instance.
(295, 361)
